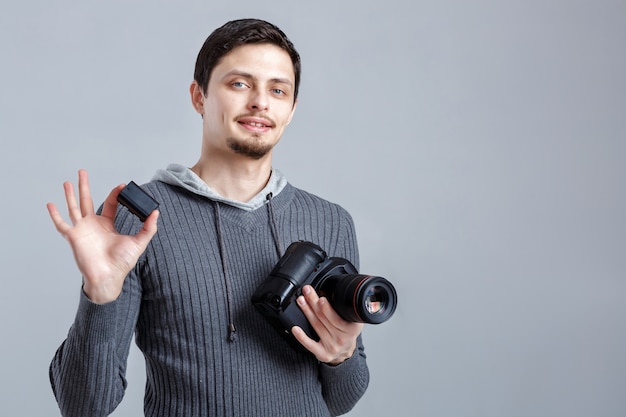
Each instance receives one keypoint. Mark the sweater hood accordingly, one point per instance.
(181, 176)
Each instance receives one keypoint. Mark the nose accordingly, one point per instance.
(259, 101)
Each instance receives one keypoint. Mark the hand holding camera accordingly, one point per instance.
(336, 338)
(356, 298)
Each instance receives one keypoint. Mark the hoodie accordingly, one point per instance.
(180, 304)
(181, 176)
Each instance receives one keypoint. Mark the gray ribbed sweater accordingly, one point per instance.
(176, 303)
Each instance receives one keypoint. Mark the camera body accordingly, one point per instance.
(355, 297)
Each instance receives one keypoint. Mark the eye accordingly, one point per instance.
(238, 84)
(278, 92)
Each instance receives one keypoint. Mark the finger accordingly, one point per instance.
(329, 316)
(70, 199)
(84, 193)
(319, 349)
(315, 306)
(309, 344)
(149, 229)
(325, 320)
(308, 305)
(60, 224)
(109, 208)
(307, 302)
(341, 329)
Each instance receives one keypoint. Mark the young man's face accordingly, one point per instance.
(249, 100)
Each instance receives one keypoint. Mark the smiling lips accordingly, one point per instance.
(256, 124)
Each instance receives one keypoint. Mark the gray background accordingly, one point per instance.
(480, 147)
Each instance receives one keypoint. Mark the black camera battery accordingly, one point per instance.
(138, 202)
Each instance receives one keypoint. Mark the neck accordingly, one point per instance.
(237, 181)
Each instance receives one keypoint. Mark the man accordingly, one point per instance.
(185, 290)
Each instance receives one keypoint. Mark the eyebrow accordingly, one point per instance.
(252, 77)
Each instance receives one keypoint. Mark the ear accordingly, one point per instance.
(197, 97)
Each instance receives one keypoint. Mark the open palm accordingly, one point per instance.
(102, 255)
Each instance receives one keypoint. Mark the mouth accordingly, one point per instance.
(255, 124)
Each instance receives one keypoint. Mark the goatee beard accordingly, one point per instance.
(253, 150)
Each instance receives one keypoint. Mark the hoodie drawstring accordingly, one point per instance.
(220, 239)
(229, 297)
(270, 209)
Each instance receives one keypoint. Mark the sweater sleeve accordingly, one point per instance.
(87, 372)
(344, 384)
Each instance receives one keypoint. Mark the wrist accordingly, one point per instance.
(344, 357)
(100, 294)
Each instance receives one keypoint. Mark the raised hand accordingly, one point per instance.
(338, 338)
(103, 256)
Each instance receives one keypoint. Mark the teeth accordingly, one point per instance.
(257, 124)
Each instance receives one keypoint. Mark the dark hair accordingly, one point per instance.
(237, 33)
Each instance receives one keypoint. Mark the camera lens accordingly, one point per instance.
(375, 299)
(361, 298)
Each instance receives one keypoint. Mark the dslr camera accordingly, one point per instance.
(355, 297)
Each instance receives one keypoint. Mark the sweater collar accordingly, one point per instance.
(179, 175)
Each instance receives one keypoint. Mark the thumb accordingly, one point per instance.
(148, 230)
